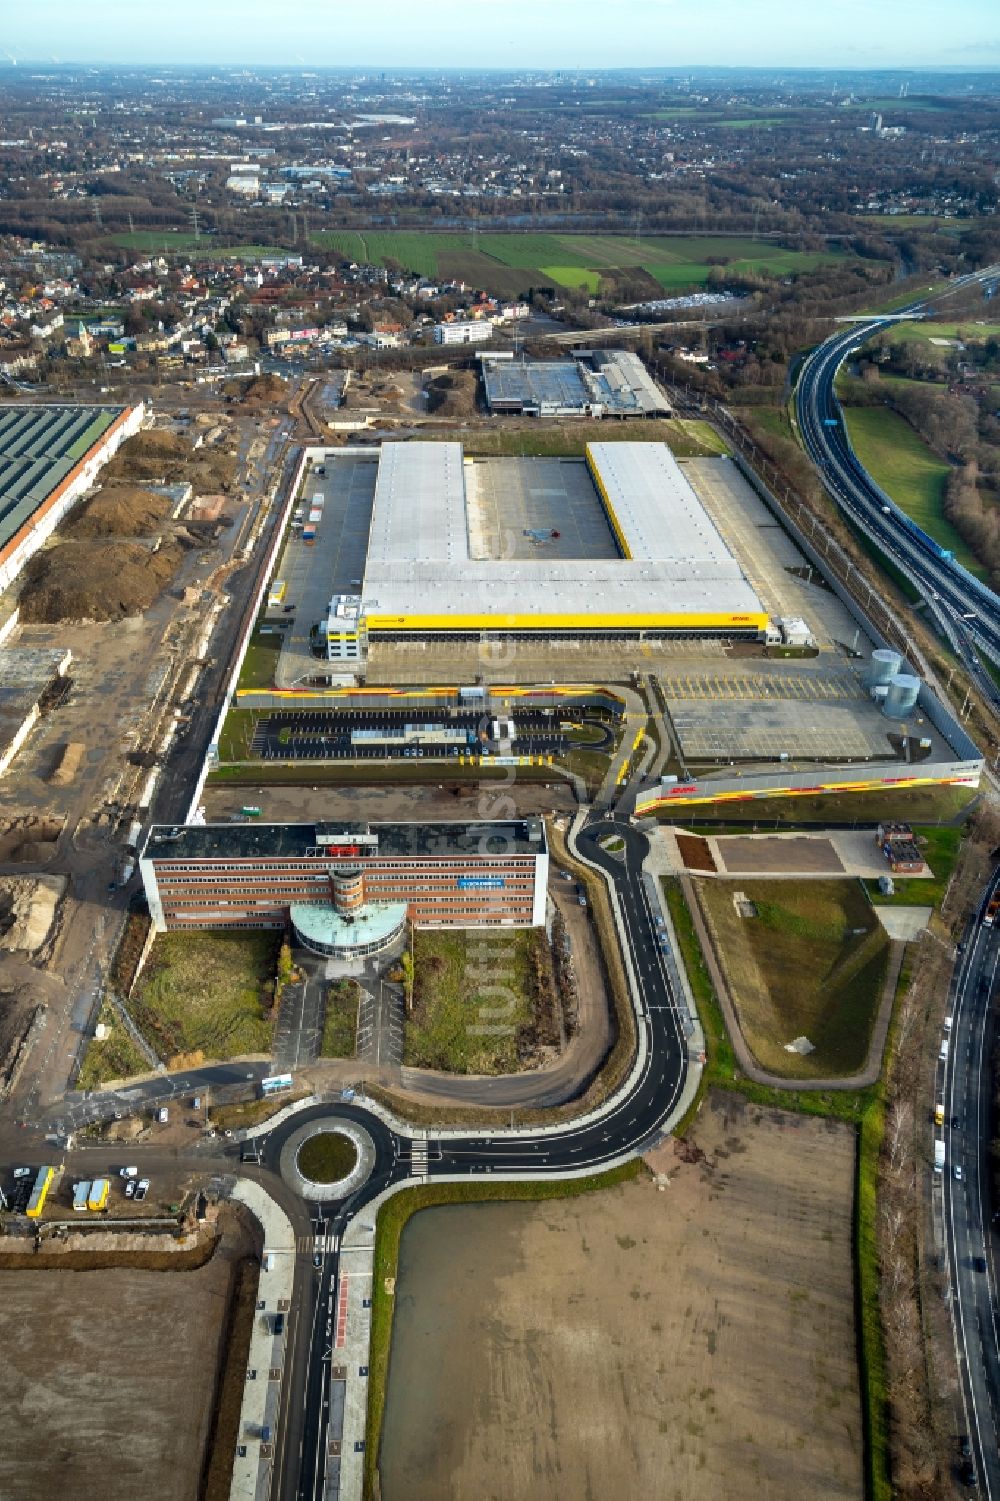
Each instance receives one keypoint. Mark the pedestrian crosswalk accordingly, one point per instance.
(418, 1159)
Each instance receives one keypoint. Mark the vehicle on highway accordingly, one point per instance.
(943, 1051)
(958, 1172)
(964, 1447)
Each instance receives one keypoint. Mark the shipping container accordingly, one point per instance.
(81, 1193)
(43, 1182)
(99, 1191)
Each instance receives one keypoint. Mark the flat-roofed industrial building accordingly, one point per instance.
(438, 564)
(346, 888)
(594, 383)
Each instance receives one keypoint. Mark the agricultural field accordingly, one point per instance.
(810, 963)
(204, 993)
(508, 263)
(900, 461)
(171, 240)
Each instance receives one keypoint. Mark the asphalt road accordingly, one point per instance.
(964, 1080)
(631, 1124)
(966, 610)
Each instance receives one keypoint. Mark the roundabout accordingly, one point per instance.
(327, 1159)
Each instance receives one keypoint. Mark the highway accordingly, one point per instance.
(969, 1233)
(965, 610)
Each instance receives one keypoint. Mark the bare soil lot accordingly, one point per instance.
(105, 1408)
(686, 1345)
(801, 856)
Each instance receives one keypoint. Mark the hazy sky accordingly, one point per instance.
(509, 33)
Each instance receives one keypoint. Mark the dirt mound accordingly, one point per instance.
(95, 581)
(27, 910)
(69, 763)
(453, 394)
(168, 458)
(120, 511)
(265, 390)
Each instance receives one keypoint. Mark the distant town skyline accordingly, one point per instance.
(589, 34)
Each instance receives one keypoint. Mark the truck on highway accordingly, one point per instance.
(992, 908)
(938, 1155)
(939, 1113)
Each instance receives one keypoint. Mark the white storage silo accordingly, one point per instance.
(901, 699)
(884, 666)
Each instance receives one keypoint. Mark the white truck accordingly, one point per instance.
(939, 1156)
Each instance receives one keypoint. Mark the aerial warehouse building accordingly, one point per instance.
(431, 569)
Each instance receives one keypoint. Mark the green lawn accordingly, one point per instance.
(237, 735)
(907, 470)
(114, 1057)
(471, 999)
(940, 848)
(811, 963)
(922, 329)
(203, 992)
(916, 805)
(686, 438)
(340, 1020)
(261, 660)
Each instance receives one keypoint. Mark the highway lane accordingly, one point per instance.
(966, 611)
(964, 1081)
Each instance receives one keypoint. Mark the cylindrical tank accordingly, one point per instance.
(884, 666)
(901, 699)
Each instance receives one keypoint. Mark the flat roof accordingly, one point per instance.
(659, 515)
(39, 447)
(375, 922)
(248, 841)
(676, 571)
(419, 508)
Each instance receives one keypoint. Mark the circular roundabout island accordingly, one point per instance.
(328, 1158)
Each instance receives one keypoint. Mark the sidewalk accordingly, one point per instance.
(254, 1462)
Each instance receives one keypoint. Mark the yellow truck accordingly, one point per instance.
(939, 1113)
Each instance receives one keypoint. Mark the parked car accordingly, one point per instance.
(142, 1188)
(22, 1172)
(129, 1172)
(130, 1188)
